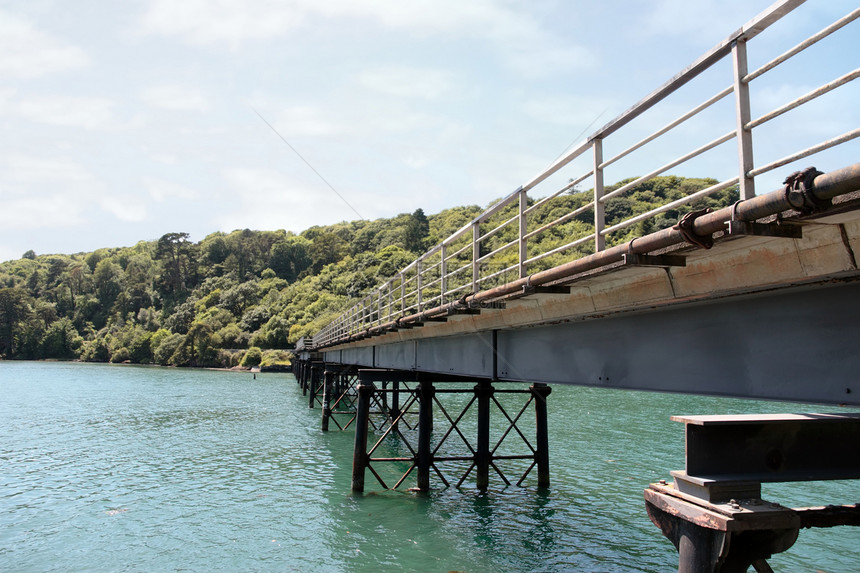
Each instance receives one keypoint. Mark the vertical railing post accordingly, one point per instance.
(599, 207)
(402, 293)
(523, 250)
(742, 111)
(390, 286)
(476, 254)
(443, 274)
(378, 320)
(368, 311)
(419, 284)
(540, 393)
(424, 455)
(484, 392)
(359, 454)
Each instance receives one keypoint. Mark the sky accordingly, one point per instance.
(123, 121)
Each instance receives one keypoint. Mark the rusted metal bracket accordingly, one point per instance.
(637, 260)
(748, 228)
(532, 290)
(456, 311)
(721, 539)
(427, 319)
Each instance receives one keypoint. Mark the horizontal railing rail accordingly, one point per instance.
(498, 248)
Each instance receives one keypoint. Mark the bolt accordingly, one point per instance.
(662, 482)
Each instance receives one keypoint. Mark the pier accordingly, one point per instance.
(757, 299)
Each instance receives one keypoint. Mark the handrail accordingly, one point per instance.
(426, 286)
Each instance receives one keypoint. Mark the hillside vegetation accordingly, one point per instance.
(242, 298)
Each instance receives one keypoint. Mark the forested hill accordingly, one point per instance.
(243, 297)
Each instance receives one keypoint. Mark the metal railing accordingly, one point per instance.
(497, 247)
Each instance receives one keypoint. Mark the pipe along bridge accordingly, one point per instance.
(757, 299)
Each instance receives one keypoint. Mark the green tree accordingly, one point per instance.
(291, 257)
(175, 253)
(107, 279)
(253, 357)
(15, 314)
(416, 232)
(61, 340)
(327, 248)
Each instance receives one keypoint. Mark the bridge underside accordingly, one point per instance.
(770, 318)
(799, 345)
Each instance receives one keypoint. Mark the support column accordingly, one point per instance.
(710, 542)
(359, 456)
(306, 376)
(540, 392)
(314, 385)
(424, 460)
(328, 386)
(484, 392)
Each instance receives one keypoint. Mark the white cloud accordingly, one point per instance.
(218, 21)
(698, 20)
(20, 171)
(543, 57)
(175, 98)
(125, 207)
(65, 111)
(26, 52)
(164, 158)
(307, 120)
(53, 210)
(268, 199)
(162, 190)
(40, 193)
(573, 111)
(221, 21)
(519, 37)
(403, 81)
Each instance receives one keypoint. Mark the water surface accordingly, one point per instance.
(123, 468)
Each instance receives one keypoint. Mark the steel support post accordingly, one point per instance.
(484, 393)
(342, 383)
(362, 414)
(424, 456)
(540, 393)
(306, 377)
(328, 386)
(314, 385)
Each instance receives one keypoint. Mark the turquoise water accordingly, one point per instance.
(122, 468)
